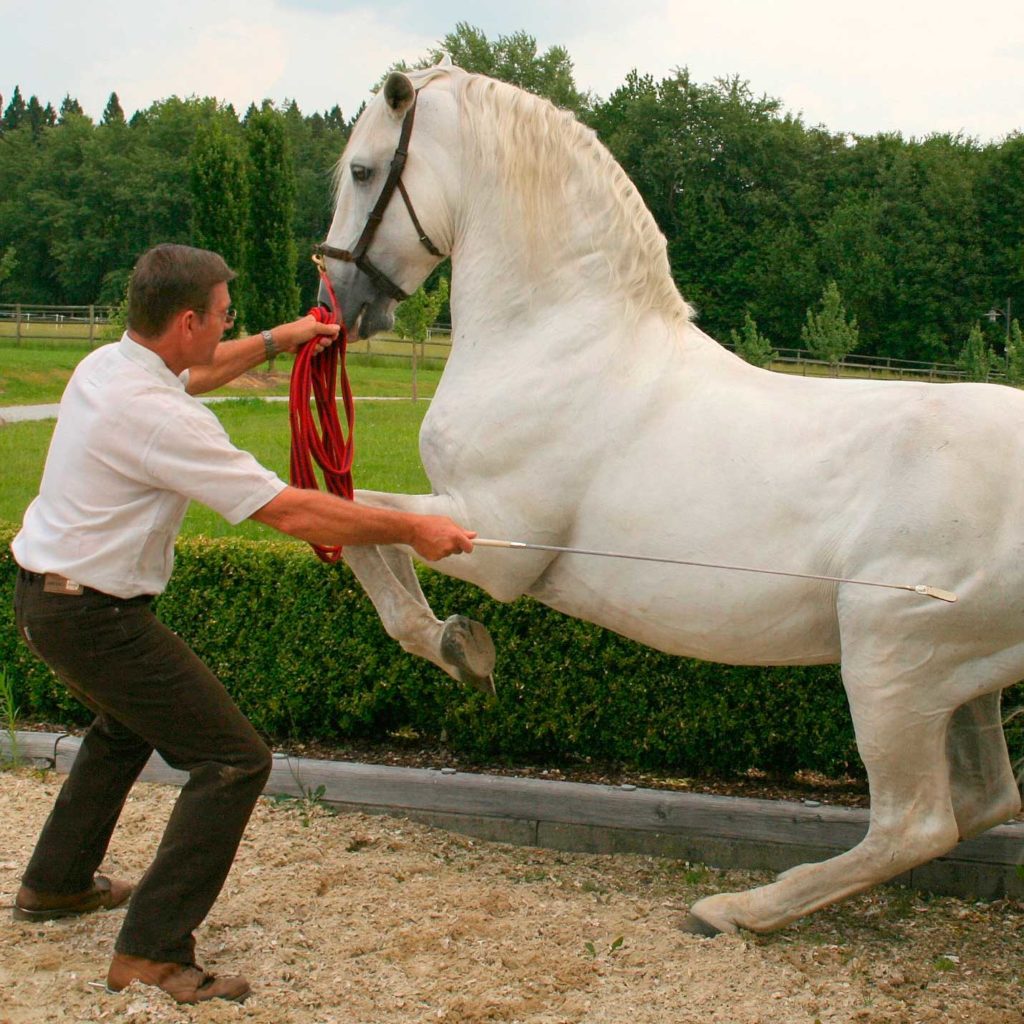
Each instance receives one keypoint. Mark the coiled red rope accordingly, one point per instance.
(316, 374)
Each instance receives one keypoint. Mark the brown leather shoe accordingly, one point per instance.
(105, 894)
(184, 983)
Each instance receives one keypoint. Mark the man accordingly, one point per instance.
(129, 451)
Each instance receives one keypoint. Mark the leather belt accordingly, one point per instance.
(53, 583)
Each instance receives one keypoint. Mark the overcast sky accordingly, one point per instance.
(912, 66)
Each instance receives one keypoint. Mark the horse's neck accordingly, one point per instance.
(510, 306)
(590, 265)
(501, 287)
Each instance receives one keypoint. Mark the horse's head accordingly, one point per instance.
(396, 185)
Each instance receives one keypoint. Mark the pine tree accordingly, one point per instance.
(35, 116)
(69, 106)
(112, 113)
(271, 294)
(15, 113)
(334, 118)
(828, 335)
(220, 197)
(976, 357)
(750, 344)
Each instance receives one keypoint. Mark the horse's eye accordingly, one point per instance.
(361, 173)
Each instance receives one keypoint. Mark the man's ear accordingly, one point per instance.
(187, 320)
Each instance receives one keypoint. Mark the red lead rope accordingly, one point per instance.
(316, 374)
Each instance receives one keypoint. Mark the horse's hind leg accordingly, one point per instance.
(901, 734)
(459, 646)
(985, 792)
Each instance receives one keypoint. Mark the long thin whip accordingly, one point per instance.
(916, 588)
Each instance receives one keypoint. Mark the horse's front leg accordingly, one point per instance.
(459, 645)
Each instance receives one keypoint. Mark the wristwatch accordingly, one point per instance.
(268, 344)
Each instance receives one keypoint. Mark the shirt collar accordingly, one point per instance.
(150, 361)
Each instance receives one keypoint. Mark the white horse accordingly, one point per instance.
(582, 407)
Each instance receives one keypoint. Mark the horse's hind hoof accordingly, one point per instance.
(466, 645)
(694, 925)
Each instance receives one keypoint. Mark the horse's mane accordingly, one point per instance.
(558, 172)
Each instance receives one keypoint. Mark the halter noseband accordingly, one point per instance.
(394, 181)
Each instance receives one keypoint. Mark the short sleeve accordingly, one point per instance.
(194, 457)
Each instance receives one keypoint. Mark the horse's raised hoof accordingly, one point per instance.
(467, 646)
(694, 925)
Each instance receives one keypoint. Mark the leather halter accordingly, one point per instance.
(358, 255)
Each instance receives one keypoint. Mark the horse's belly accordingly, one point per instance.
(777, 623)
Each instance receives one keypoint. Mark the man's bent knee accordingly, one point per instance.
(252, 769)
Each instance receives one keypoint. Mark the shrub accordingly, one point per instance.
(302, 651)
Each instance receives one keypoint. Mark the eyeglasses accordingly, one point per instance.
(228, 316)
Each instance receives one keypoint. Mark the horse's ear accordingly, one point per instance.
(445, 61)
(398, 92)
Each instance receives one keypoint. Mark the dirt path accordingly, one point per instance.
(352, 919)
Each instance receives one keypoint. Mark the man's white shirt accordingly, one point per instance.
(130, 450)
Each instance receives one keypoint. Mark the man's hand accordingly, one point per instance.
(291, 337)
(436, 537)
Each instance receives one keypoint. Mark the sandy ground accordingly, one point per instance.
(349, 919)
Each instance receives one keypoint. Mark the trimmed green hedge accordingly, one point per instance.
(301, 649)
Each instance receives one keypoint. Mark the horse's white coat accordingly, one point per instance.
(581, 407)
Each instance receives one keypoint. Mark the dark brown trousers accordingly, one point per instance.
(149, 691)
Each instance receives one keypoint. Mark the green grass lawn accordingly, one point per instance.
(36, 374)
(387, 457)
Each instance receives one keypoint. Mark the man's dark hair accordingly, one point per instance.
(168, 279)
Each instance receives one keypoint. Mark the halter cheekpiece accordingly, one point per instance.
(358, 255)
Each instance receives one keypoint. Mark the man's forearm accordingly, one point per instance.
(324, 519)
(231, 359)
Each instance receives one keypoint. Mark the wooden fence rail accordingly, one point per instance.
(86, 326)
(76, 326)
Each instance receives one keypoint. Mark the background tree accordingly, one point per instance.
(69, 106)
(112, 113)
(415, 316)
(750, 344)
(759, 210)
(315, 143)
(1015, 355)
(735, 185)
(1000, 212)
(828, 334)
(976, 357)
(39, 117)
(220, 195)
(516, 60)
(15, 112)
(8, 264)
(271, 294)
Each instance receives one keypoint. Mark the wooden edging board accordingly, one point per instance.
(724, 832)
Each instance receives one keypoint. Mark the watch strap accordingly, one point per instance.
(268, 344)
